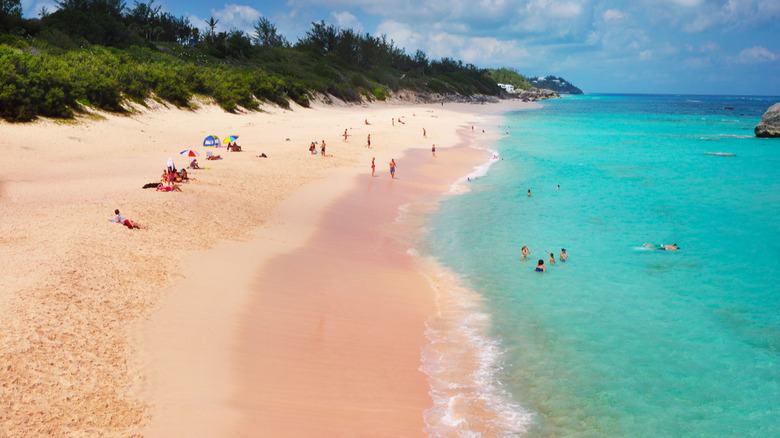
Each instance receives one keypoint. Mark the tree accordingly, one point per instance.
(212, 24)
(321, 38)
(266, 35)
(10, 14)
(11, 8)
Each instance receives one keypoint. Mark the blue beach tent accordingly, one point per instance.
(211, 141)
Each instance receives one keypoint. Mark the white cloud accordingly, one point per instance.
(345, 20)
(437, 44)
(687, 3)
(234, 16)
(554, 9)
(480, 51)
(698, 63)
(613, 14)
(401, 34)
(757, 54)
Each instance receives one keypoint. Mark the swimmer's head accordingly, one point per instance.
(563, 249)
(541, 262)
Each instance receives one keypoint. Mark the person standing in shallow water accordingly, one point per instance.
(529, 193)
(540, 266)
(564, 255)
(373, 166)
(525, 251)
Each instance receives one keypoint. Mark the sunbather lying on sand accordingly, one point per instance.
(171, 188)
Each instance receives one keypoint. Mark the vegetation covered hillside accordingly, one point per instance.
(97, 53)
(556, 84)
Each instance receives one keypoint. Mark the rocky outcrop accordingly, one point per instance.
(536, 94)
(770, 123)
(409, 96)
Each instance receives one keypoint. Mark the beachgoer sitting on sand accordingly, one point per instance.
(234, 147)
(166, 176)
(194, 164)
(126, 222)
(183, 175)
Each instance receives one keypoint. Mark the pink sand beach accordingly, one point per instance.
(270, 297)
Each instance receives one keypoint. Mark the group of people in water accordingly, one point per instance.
(540, 264)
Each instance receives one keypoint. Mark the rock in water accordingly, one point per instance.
(770, 123)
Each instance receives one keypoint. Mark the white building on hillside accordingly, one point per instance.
(507, 87)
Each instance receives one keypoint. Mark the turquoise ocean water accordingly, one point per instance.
(621, 340)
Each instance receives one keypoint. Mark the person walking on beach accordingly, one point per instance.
(433, 150)
(323, 148)
(392, 168)
(540, 266)
(373, 166)
(345, 135)
(564, 255)
(424, 134)
(525, 251)
(368, 141)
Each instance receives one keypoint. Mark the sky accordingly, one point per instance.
(601, 46)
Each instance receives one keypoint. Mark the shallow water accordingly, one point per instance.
(620, 340)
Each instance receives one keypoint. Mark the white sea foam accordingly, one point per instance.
(463, 365)
(461, 186)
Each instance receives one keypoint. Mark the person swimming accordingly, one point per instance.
(564, 255)
(525, 251)
(663, 247)
(540, 266)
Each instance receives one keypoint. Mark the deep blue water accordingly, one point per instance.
(621, 340)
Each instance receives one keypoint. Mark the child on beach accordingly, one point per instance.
(126, 222)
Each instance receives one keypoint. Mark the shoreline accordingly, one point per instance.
(100, 290)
